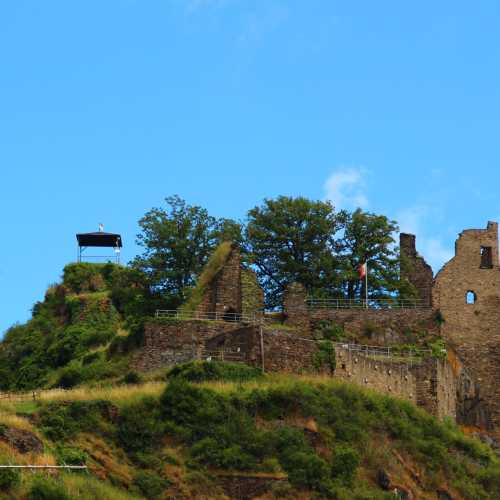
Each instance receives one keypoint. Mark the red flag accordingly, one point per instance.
(362, 269)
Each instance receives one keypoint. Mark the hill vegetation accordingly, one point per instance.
(75, 329)
(298, 437)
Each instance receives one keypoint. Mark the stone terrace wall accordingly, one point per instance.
(284, 351)
(288, 352)
(395, 379)
(168, 342)
(442, 387)
(385, 326)
(434, 385)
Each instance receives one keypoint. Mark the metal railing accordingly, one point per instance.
(100, 259)
(388, 303)
(37, 467)
(388, 352)
(209, 316)
(232, 354)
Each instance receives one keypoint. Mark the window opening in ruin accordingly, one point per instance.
(231, 315)
(470, 297)
(486, 258)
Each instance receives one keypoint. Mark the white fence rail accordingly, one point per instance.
(388, 352)
(388, 303)
(209, 316)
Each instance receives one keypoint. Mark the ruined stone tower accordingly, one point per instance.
(415, 269)
(233, 290)
(467, 293)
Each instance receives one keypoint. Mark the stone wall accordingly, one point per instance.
(169, 342)
(396, 379)
(473, 329)
(415, 269)
(252, 295)
(284, 351)
(295, 308)
(223, 293)
(380, 326)
(440, 386)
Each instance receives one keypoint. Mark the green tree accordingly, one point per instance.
(177, 241)
(294, 239)
(369, 238)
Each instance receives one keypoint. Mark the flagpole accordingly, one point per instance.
(366, 285)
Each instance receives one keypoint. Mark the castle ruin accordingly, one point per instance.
(461, 304)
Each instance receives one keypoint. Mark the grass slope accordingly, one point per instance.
(307, 437)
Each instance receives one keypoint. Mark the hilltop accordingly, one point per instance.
(75, 332)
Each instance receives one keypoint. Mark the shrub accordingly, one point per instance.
(213, 452)
(70, 377)
(344, 464)
(122, 345)
(45, 488)
(90, 358)
(139, 426)
(83, 276)
(438, 349)
(67, 455)
(325, 357)
(305, 469)
(150, 484)
(439, 318)
(9, 478)
(200, 371)
(329, 330)
(62, 420)
(132, 378)
(281, 489)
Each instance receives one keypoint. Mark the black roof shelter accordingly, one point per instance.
(99, 239)
(102, 240)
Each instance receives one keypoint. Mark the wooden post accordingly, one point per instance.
(262, 349)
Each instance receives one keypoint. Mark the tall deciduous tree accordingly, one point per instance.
(177, 242)
(294, 239)
(369, 238)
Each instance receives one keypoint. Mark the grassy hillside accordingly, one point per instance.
(297, 437)
(75, 330)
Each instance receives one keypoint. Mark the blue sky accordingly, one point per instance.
(106, 107)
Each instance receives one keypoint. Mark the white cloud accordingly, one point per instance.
(346, 188)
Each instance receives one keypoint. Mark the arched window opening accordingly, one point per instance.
(470, 297)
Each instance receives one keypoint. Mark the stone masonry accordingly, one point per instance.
(234, 290)
(380, 327)
(467, 293)
(415, 269)
(295, 308)
(223, 294)
(435, 385)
